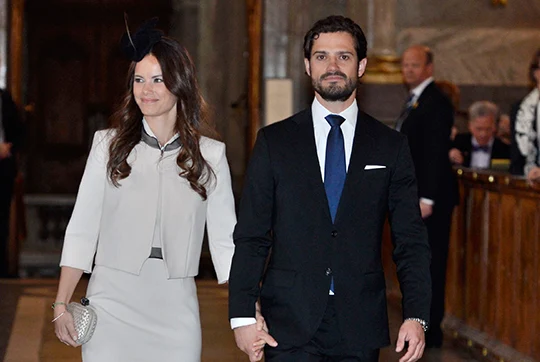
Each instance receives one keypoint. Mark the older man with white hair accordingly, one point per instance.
(479, 146)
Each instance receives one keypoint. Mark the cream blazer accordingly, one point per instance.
(116, 224)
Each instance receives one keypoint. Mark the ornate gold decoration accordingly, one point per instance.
(499, 2)
(484, 352)
(383, 69)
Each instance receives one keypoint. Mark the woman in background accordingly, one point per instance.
(150, 185)
(527, 126)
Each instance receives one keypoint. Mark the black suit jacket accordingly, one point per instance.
(14, 134)
(517, 160)
(284, 215)
(428, 128)
(463, 142)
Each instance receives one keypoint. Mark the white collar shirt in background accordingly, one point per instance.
(480, 159)
(420, 88)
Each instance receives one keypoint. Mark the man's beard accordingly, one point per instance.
(335, 92)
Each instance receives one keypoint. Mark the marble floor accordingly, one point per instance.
(26, 334)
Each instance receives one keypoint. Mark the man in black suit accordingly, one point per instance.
(427, 121)
(11, 134)
(479, 146)
(318, 189)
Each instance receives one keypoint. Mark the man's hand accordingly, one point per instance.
(412, 332)
(425, 209)
(534, 174)
(455, 156)
(251, 341)
(5, 150)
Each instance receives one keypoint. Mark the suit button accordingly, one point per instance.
(328, 271)
(334, 233)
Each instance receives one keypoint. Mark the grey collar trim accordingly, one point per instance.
(153, 142)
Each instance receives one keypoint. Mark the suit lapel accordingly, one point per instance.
(308, 161)
(362, 144)
(417, 106)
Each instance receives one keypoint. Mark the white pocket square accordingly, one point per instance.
(373, 167)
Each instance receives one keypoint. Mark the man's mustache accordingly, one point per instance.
(332, 74)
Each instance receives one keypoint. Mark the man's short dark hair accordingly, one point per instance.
(335, 24)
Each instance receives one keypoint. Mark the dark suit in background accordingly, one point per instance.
(427, 127)
(517, 160)
(13, 133)
(463, 142)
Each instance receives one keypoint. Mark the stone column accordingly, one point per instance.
(383, 65)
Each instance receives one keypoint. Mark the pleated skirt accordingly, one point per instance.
(143, 318)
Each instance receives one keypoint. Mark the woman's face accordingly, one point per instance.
(150, 92)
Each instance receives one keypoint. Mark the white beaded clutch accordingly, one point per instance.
(84, 318)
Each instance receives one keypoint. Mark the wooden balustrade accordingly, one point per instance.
(493, 277)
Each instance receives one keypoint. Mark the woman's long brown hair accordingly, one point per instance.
(191, 121)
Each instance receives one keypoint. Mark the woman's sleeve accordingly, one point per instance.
(221, 218)
(82, 232)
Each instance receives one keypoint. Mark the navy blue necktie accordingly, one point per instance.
(335, 170)
(407, 107)
(334, 166)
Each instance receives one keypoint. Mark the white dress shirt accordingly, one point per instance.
(417, 91)
(321, 128)
(481, 159)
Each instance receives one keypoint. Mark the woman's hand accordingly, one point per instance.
(534, 174)
(64, 326)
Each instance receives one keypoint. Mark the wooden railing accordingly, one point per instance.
(493, 276)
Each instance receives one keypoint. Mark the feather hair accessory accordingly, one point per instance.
(136, 45)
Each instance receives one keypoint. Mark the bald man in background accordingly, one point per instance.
(427, 119)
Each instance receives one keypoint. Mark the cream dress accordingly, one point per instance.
(143, 318)
(149, 317)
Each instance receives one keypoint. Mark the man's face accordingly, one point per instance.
(414, 67)
(334, 67)
(482, 129)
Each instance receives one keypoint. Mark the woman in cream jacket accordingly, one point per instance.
(151, 184)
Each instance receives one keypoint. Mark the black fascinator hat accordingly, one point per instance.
(136, 45)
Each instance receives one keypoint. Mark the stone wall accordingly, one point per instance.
(475, 43)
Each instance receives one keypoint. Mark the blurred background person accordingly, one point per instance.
(479, 146)
(427, 120)
(525, 154)
(451, 90)
(504, 130)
